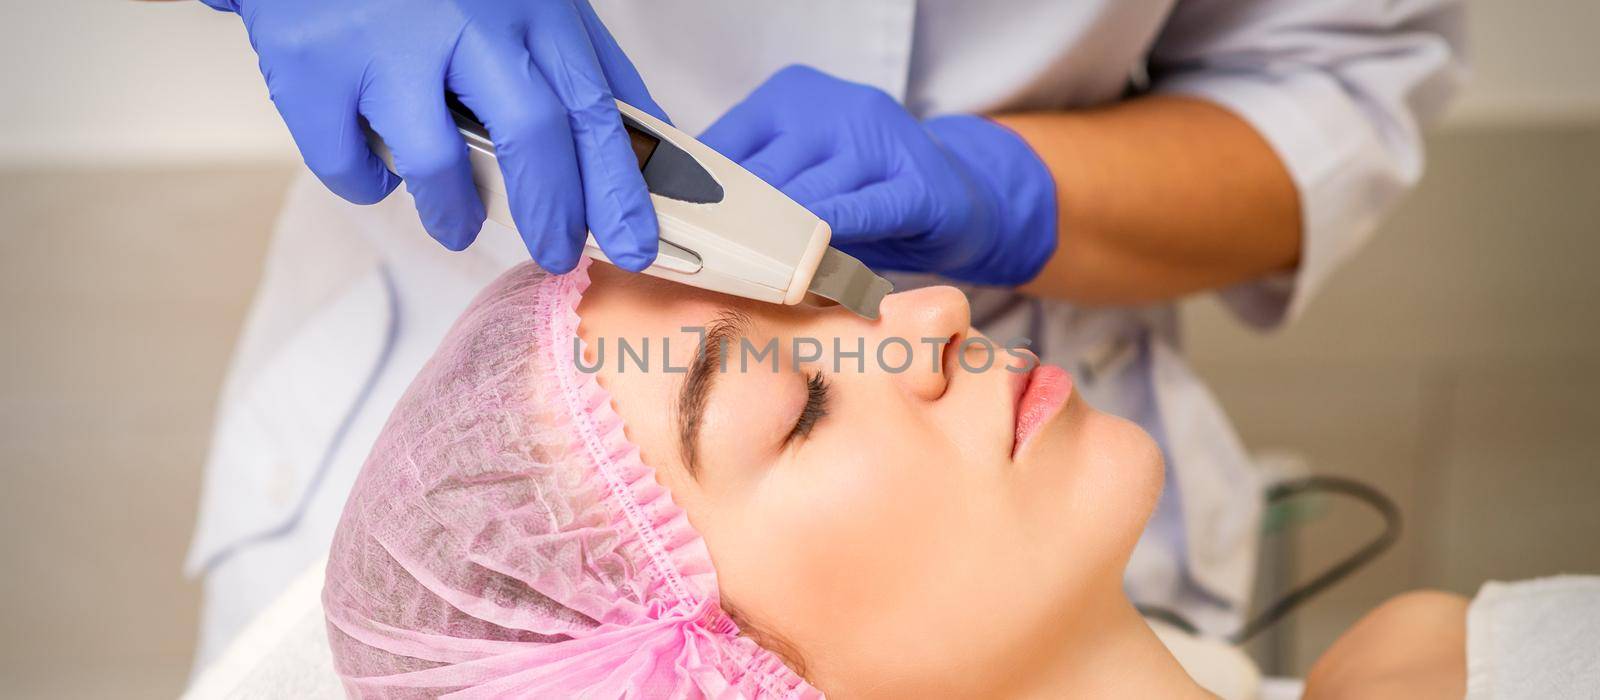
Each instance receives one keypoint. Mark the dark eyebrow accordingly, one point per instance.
(722, 333)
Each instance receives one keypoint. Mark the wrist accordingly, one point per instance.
(1019, 191)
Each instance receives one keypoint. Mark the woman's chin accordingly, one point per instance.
(1136, 460)
(1080, 436)
(1094, 478)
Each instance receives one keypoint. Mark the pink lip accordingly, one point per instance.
(1047, 389)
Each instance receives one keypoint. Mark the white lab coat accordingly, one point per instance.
(355, 299)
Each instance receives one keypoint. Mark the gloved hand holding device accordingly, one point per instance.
(957, 195)
(540, 74)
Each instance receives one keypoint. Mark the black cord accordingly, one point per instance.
(1168, 616)
(1298, 596)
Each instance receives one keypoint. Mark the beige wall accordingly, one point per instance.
(1455, 364)
(119, 319)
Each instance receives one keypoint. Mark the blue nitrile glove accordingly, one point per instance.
(540, 74)
(960, 195)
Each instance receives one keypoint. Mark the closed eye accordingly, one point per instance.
(815, 409)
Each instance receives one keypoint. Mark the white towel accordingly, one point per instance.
(1535, 639)
(282, 653)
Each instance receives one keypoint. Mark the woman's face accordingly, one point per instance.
(886, 524)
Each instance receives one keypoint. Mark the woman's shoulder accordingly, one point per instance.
(1412, 646)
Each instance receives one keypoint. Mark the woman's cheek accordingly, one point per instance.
(854, 504)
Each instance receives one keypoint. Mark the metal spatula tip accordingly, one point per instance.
(845, 280)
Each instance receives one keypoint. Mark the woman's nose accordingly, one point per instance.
(929, 320)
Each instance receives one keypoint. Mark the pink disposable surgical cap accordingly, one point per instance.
(505, 540)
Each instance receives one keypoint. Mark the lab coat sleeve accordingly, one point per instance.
(1338, 88)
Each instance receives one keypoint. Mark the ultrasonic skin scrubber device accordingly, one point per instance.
(721, 227)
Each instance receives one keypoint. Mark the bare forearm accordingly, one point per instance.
(1160, 196)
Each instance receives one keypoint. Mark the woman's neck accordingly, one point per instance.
(1110, 651)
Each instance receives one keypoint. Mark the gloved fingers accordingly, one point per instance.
(620, 73)
(879, 256)
(326, 126)
(839, 175)
(429, 155)
(877, 212)
(785, 157)
(744, 129)
(617, 205)
(497, 80)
